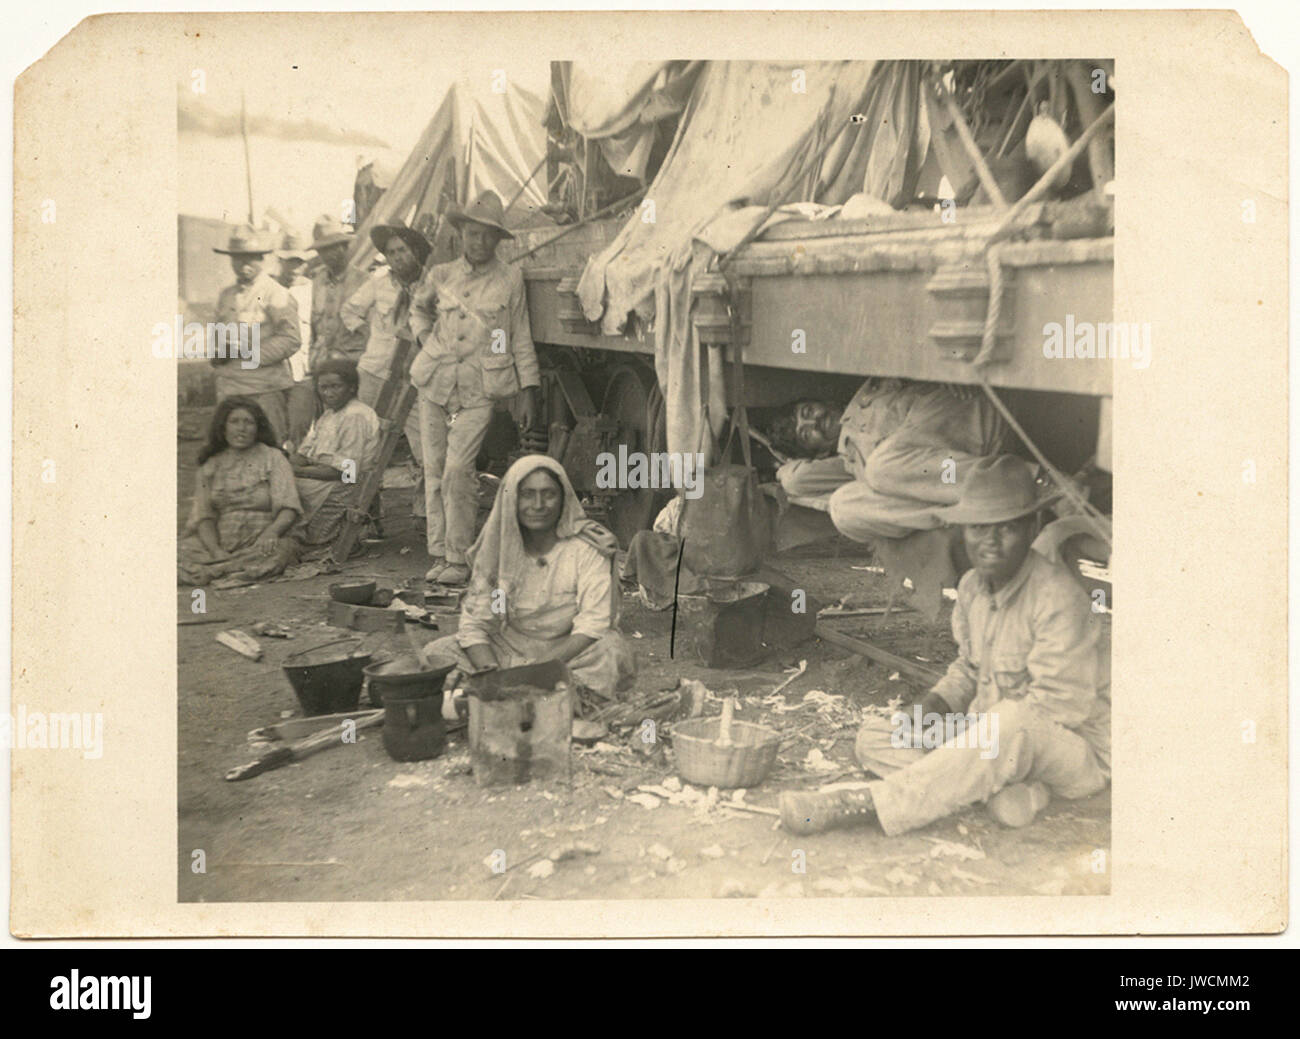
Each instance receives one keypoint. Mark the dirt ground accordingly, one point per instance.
(352, 824)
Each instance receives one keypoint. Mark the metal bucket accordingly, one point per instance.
(331, 684)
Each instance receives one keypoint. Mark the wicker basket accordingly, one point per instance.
(745, 763)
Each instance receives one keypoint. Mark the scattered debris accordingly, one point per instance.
(898, 875)
(589, 732)
(969, 878)
(572, 850)
(406, 780)
(644, 800)
(659, 851)
(541, 870)
(241, 642)
(733, 888)
(952, 849)
(272, 630)
(824, 702)
(736, 806)
(713, 851)
(816, 761)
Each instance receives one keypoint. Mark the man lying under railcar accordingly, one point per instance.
(892, 459)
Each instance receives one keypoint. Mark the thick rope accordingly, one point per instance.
(993, 318)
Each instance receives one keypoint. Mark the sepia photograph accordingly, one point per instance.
(650, 476)
(658, 477)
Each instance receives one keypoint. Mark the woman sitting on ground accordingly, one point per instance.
(245, 501)
(337, 453)
(542, 586)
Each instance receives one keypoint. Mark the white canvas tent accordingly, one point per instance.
(479, 139)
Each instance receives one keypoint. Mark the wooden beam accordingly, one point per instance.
(881, 656)
(972, 149)
(396, 398)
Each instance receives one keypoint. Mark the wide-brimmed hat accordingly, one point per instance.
(486, 210)
(245, 241)
(328, 231)
(997, 490)
(380, 233)
(293, 246)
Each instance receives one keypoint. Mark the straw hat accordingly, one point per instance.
(997, 490)
(245, 241)
(486, 210)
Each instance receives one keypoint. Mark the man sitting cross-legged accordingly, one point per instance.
(1032, 673)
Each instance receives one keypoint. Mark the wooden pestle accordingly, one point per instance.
(724, 728)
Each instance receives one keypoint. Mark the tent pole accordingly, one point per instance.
(524, 186)
(248, 164)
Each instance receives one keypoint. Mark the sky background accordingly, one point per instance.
(311, 127)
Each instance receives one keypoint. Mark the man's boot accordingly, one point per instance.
(811, 812)
(1017, 804)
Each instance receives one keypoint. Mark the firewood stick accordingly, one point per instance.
(737, 806)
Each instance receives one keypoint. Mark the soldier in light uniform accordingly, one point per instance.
(257, 299)
(470, 319)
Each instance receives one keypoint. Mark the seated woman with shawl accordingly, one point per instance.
(542, 585)
(337, 453)
(245, 501)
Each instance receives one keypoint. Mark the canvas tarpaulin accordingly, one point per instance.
(749, 137)
(478, 140)
(617, 105)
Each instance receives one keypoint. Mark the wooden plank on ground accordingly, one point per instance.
(882, 656)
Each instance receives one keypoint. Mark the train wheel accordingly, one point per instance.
(628, 401)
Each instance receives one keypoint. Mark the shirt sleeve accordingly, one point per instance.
(284, 491)
(356, 440)
(285, 339)
(477, 621)
(202, 507)
(958, 685)
(1062, 662)
(521, 336)
(354, 312)
(595, 593)
(812, 477)
(424, 304)
(308, 444)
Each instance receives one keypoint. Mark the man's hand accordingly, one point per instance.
(529, 408)
(265, 542)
